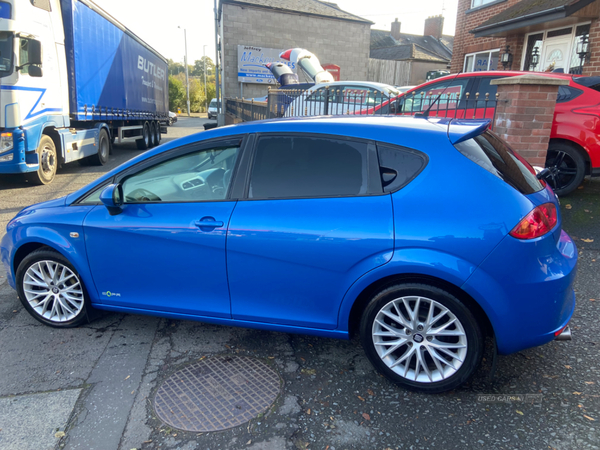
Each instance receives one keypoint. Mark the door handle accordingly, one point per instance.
(208, 222)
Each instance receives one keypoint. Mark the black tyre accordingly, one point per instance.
(51, 290)
(48, 162)
(170, 122)
(567, 167)
(421, 337)
(101, 158)
(158, 136)
(144, 142)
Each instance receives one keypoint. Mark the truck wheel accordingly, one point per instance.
(158, 136)
(48, 161)
(153, 142)
(144, 142)
(101, 157)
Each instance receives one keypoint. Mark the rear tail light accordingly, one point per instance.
(537, 223)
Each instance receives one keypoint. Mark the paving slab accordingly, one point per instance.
(30, 422)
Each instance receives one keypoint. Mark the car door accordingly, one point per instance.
(165, 251)
(314, 220)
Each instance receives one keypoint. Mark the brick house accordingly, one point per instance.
(432, 51)
(541, 35)
(333, 35)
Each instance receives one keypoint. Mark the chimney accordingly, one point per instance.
(396, 29)
(434, 26)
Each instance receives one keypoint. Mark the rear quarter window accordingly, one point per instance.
(494, 155)
(398, 166)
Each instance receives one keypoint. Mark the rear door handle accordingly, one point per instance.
(208, 222)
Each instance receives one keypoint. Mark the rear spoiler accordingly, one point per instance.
(460, 130)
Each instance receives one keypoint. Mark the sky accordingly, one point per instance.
(157, 21)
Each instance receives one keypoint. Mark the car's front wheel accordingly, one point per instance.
(51, 290)
(421, 337)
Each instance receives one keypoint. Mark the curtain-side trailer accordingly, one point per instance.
(73, 81)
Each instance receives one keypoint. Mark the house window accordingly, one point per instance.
(482, 61)
(477, 3)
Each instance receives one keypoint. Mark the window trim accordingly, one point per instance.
(166, 155)
(373, 175)
(466, 55)
(483, 6)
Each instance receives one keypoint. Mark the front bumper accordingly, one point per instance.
(526, 289)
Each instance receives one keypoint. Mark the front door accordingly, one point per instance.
(556, 53)
(166, 250)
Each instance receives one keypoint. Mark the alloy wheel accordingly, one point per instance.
(419, 339)
(53, 291)
(563, 169)
(48, 160)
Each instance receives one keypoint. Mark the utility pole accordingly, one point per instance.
(205, 91)
(187, 79)
(217, 62)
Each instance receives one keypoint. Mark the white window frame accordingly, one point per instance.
(545, 33)
(489, 52)
(483, 3)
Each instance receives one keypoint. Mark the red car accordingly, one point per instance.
(574, 149)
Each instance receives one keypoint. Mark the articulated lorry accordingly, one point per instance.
(73, 81)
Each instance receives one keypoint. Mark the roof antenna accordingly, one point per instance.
(426, 113)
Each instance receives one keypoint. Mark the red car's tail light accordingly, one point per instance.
(537, 223)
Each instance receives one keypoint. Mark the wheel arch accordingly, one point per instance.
(361, 302)
(579, 148)
(51, 131)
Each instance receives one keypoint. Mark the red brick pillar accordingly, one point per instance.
(525, 112)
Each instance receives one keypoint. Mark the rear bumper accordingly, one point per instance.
(526, 289)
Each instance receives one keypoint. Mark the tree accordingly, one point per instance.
(175, 68)
(176, 93)
(198, 69)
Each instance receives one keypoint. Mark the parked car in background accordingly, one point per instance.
(323, 226)
(172, 118)
(213, 108)
(340, 97)
(574, 149)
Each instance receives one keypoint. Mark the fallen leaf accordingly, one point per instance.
(592, 299)
(59, 434)
(580, 187)
(567, 366)
(586, 210)
(308, 411)
(360, 398)
(588, 382)
(589, 418)
(370, 392)
(132, 392)
(580, 406)
(568, 206)
(249, 442)
(519, 412)
(366, 416)
(588, 240)
(127, 377)
(309, 371)
(14, 310)
(576, 393)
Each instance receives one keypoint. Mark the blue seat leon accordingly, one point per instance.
(421, 235)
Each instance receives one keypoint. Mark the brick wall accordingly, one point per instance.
(525, 113)
(338, 42)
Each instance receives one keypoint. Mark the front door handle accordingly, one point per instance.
(208, 222)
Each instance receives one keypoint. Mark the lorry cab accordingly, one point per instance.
(59, 99)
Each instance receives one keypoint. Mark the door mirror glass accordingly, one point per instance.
(35, 71)
(34, 50)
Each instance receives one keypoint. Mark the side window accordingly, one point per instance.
(360, 95)
(450, 93)
(317, 96)
(567, 93)
(194, 177)
(398, 166)
(296, 166)
(485, 88)
(24, 54)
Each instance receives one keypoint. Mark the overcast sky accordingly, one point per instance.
(156, 21)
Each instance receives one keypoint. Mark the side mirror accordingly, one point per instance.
(112, 198)
(35, 71)
(34, 52)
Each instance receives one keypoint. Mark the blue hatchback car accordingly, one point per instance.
(421, 235)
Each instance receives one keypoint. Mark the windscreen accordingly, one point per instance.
(495, 156)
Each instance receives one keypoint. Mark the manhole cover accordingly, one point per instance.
(216, 393)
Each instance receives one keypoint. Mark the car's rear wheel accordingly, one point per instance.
(51, 290)
(567, 168)
(421, 337)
